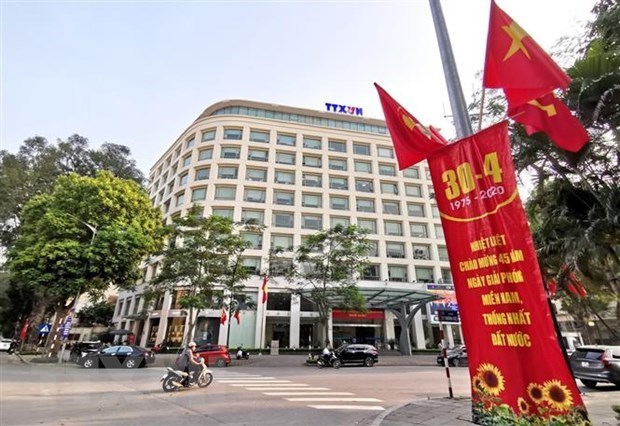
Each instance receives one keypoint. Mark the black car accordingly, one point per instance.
(80, 349)
(117, 357)
(367, 355)
(596, 364)
(457, 357)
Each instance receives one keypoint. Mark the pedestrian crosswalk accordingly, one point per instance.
(319, 398)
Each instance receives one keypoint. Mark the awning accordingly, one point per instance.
(385, 298)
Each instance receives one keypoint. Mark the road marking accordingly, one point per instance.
(348, 407)
(284, 389)
(269, 384)
(306, 393)
(334, 399)
(260, 382)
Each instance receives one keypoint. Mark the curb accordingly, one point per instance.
(22, 360)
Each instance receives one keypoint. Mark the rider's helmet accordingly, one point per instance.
(192, 344)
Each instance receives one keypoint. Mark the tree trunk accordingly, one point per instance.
(35, 319)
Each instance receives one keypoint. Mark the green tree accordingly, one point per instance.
(87, 234)
(97, 313)
(202, 258)
(328, 267)
(35, 167)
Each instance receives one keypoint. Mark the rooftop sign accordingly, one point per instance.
(343, 109)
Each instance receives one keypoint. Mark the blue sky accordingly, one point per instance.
(138, 73)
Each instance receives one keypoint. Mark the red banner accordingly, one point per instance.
(371, 314)
(518, 372)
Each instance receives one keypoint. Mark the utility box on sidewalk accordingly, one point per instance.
(275, 347)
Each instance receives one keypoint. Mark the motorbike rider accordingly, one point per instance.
(191, 361)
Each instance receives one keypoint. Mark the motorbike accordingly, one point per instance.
(329, 359)
(13, 347)
(241, 354)
(173, 380)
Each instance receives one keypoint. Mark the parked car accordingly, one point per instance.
(80, 349)
(367, 355)
(596, 364)
(5, 344)
(213, 354)
(457, 357)
(118, 356)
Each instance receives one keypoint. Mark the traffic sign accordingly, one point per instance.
(44, 328)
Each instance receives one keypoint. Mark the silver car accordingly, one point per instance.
(596, 364)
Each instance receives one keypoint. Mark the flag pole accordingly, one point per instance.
(455, 92)
(481, 108)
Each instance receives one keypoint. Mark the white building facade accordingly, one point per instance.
(296, 171)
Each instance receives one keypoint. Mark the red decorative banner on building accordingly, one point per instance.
(371, 314)
(518, 372)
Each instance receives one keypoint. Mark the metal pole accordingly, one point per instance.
(446, 364)
(455, 93)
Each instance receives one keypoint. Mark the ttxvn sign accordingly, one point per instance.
(343, 109)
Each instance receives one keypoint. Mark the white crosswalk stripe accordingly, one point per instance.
(300, 392)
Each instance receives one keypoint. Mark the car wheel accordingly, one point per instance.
(369, 362)
(336, 364)
(131, 363)
(89, 363)
(221, 362)
(588, 383)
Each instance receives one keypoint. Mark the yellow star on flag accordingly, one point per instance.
(517, 34)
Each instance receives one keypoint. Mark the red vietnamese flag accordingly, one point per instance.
(223, 317)
(549, 114)
(412, 141)
(516, 63)
(265, 289)
(236, 316)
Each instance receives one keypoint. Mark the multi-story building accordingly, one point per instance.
(296, 171)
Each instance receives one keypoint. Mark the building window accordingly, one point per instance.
(418, 230)
(363, 185)
(439, 232)
(223, 212)
(337, 220)
(389, 188)
(385, 152)
(337, 164)
(362, 166)
(311, 222)
(183, 179)
(253, 217)
(337, 146)
(203, 174)
(227, 172)
(208, 135)
(371, 273)
(251, 265)
(312, 180)
(187, 161)
(285, 158)
(284, 198)
(282, 242)
(365, 205)
(338, 182)
(412, 172)
(421, 252)
(393, 228)
(397, 273)
(311, 161)
(369, 225)
(413, 190)
(435, 211)
(414, 209)
(225, 192)
(427, 174)
(180, 199)
(282, 219)
(373, 248)
(287, 178)
(312, 143)
(442, 253)
(288, 140)
(199, 194)
(256, 175)
(230, 152)
(446, 276)
(424, 275)
(255, 240)
(259, 136)
(339, 203)
(279, 302)
(205, 154)
(254, 195)
(311, 200)
(258, 155)
(391, 207)
(235, 134)
(387, 170)
(361, 149)
(395, 250)
(190, 143)
(279, 267)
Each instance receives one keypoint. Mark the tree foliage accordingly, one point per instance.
(329, 264)
(97, 313)
(35, 167)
